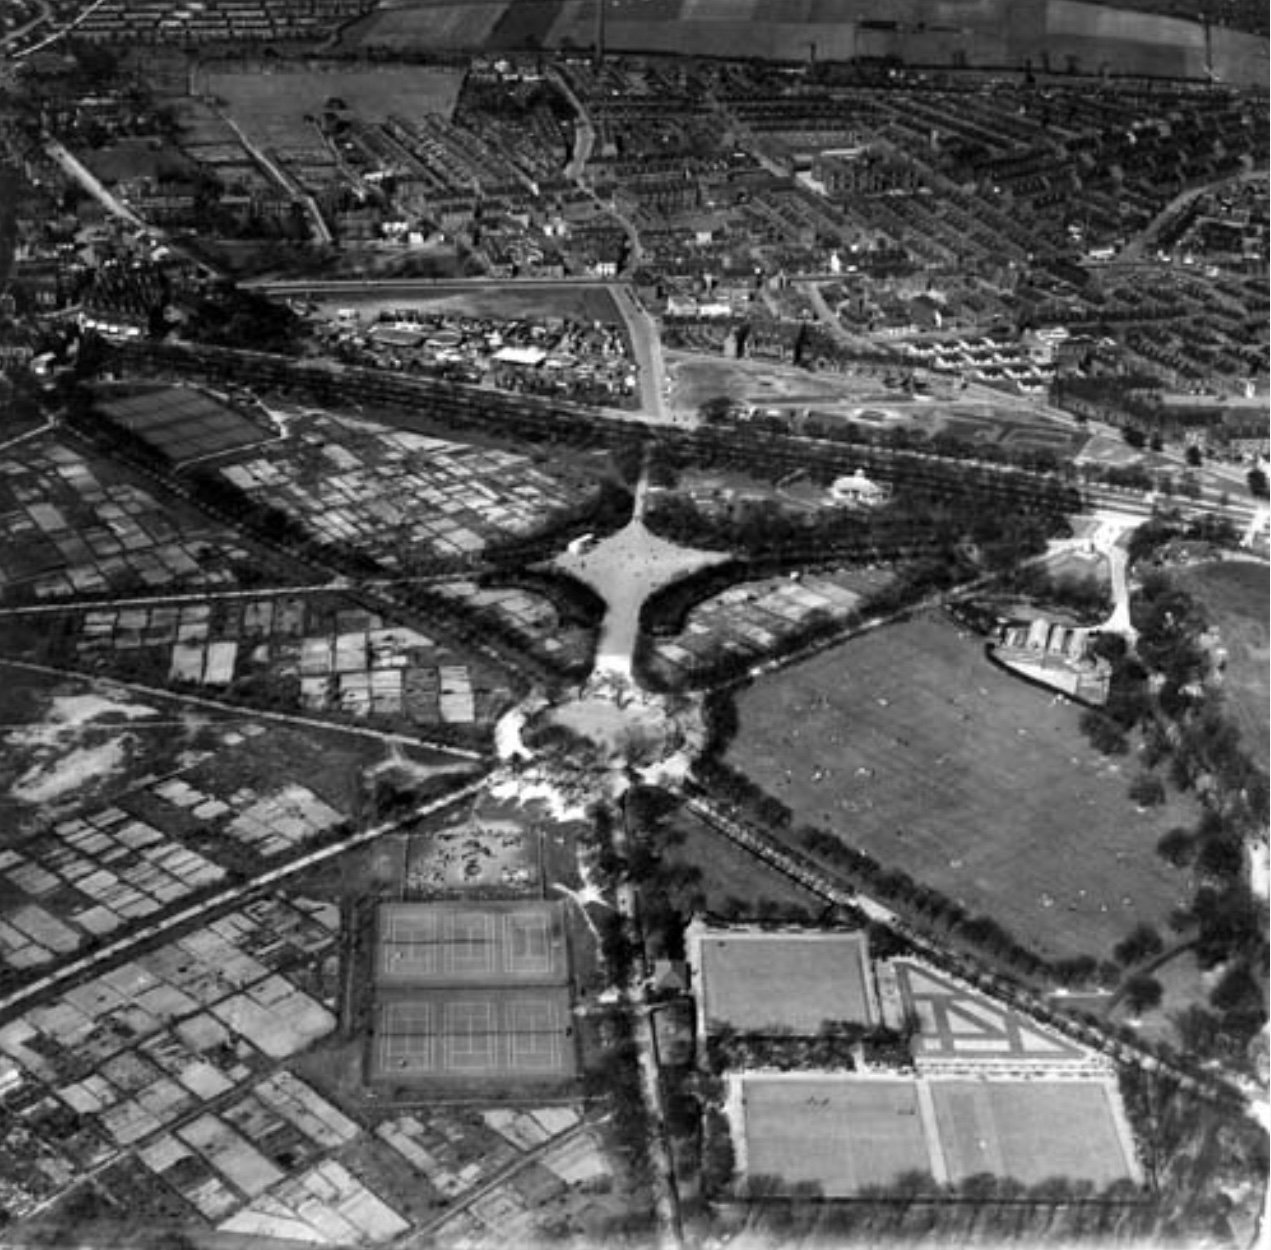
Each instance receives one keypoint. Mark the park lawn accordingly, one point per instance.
(735, 884)
(912, 747)
(273, 102)
(1234, 594)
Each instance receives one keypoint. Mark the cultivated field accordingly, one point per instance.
(989, 32)
(912, 747)
(1235, 596)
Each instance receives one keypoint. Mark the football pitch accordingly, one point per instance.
(843, 1135)
(462, 1034)
(761, 981)
(850, 1134)
(1032, 1130)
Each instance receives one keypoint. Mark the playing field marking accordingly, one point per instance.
(527, 937)
(412, 945)
(471, 1036)
(407, 1038)
(534, 1035)
(472, 944)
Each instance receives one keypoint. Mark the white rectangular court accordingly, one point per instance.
(459, 1034)
(443, 944)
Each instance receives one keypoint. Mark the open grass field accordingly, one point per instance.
(440, 944)
(760, 982)
(1033, 1130)
(911, 746)
(1234, 594)
(841, 1133)
(270, 102)
(734, 884)
(411, 26)
(471, 1034)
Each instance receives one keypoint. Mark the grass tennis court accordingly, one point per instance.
(1031, 1130)
(844, 1134)
(461, 1034)
(439, 944)
(758, 981)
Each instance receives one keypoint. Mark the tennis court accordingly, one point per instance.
(441, 944)
(460, 1034)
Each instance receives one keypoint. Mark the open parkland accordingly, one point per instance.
(982, 1090)
(375, 871)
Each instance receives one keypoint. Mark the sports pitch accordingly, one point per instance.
(1032, 1130)
(435, 945)
(758, 982)
(462, 1034)
(847, 1134)
(843, 1134)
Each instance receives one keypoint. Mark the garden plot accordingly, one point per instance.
(403, 497)
(142, 1049)
(79, 527)
(532, 617)
(87, 877)
(314, 652)
(754, 617)
(268, 824)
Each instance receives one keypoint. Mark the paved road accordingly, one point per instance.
(227, 898)
(335, 586)
(91, 183)
(646, 347)
(1135, 247)
(625, 569)
(284, 180)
